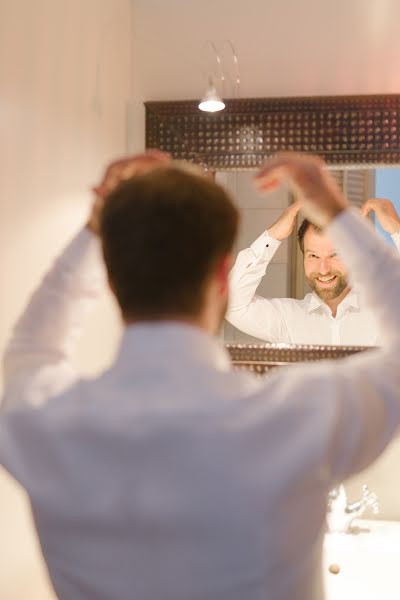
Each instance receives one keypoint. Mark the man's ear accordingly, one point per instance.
(222, 273)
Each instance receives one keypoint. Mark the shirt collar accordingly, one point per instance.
(314, 302)
(352, 300)
(170, 343)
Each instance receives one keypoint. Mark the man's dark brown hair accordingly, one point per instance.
(302, 231)
(162, 234)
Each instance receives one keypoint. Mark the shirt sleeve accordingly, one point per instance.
(37, 359)
(352, 406)
(254, 314)
(396, 240)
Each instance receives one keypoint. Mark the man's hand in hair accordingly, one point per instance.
(283, 227)
(121, 170)
(320, 198)
(385, 213)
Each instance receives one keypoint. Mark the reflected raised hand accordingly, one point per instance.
(284, 226)
(385, 213)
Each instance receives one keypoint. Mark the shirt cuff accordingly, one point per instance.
(264, 244)
(396, 238)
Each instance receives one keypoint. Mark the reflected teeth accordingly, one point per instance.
(326, 280)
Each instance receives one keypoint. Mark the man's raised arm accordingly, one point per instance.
(254, 314)
(351, 406)
(37, 358)
(387, 216)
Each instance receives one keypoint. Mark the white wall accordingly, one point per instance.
(59, 127)
(285, 47)
(60, 123)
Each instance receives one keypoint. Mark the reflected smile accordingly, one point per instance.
(326, 281)
(327, 285)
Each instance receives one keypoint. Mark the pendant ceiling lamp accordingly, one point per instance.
(212, 101)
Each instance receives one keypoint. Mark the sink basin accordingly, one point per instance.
(364, 565)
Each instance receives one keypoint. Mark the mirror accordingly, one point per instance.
(354, 134)
(347, 131)
(284, 277)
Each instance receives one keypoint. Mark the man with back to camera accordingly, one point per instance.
(332, 313)
(169, 476)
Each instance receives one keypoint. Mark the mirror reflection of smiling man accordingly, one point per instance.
(333, 313)
(325, 272)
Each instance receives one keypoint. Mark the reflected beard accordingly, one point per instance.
(331, 293)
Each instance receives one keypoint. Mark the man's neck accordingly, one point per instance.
(334, 303)
(201, 321)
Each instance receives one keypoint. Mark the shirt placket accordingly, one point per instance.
(335, 331)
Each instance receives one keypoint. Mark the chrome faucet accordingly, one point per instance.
(341, 515)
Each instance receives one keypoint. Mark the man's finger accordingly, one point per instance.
(149, 157)
(365, 209)
(296, 206)
(267, 184)
(127, 167)
(271, 176)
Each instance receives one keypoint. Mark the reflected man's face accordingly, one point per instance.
(323, 269)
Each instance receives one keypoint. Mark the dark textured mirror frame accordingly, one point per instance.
(344, 130)
(262, 358)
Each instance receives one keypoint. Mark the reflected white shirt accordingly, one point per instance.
(287, 320)
(170, 477)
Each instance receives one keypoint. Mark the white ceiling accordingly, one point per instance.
(285, 47)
